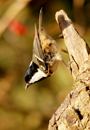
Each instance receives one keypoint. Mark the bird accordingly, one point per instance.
(45, 58)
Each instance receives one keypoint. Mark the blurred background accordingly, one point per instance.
(32, 109)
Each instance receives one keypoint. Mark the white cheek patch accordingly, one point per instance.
(37, 76)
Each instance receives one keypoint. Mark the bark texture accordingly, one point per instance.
(74, 112)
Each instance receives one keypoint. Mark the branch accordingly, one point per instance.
(74, 112)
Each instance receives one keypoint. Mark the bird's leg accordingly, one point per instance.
(60, 36)
(59, 57)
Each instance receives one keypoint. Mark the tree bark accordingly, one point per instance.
(74, 112)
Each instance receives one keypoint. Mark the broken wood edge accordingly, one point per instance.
(78, 49)
(74, 112)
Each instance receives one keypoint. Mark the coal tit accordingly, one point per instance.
(45, 57)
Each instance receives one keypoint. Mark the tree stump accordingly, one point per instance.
(74, 112)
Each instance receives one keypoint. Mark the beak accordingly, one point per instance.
(27, 85)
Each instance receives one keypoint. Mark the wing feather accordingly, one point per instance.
(38, 56)
(37, 50)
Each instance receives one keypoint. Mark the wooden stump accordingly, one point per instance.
(74, 112)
